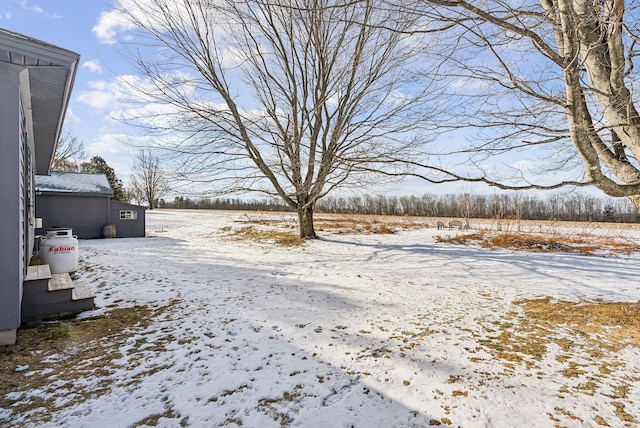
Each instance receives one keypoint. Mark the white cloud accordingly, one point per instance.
(113, 25)
(93, 66)
(25, 5)
(100, 96)
(71, 119)
(109, 144)
(468, 84)
(112, 94)
(109, 25)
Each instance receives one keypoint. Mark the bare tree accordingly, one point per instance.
(69, 154)
(290, 98)
(551, 77)
(468, 206)
(134, 191)
(148, 179)
(518, 209)
(498, 204)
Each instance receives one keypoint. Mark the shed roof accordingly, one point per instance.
(52, 71)
(74, 183)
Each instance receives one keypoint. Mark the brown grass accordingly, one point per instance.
(549, 236)
(614, 325)
(541, 242)
(597, 328)
(342, 223)
(384, 225)
(60, 353)
(589, 337)
(282, 229)
(251, 233)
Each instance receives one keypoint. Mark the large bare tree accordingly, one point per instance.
(554, 77)
(292, 98)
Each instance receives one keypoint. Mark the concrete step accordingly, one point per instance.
(36, 273)
(55, 297)
(82, 290)
(60, 281)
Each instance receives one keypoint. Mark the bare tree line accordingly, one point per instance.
(518, 206)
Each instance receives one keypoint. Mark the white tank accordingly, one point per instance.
(59, 250)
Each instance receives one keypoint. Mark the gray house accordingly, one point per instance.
(35, 84)
(83, 203)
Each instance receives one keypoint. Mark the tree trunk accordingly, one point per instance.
(305, 219)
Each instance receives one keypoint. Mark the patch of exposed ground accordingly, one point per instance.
(254, 234)
(583, 337)
(583, 244)
(282, 229)
(48, 359)
(342, 223)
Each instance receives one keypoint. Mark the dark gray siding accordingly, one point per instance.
(11, 227)
(86, 215)
(128, 228)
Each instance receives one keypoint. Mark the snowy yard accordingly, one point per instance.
(363, 330)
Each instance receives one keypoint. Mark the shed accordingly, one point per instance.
(128, 219)
(82, 202)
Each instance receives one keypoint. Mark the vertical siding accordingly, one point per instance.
(27, 194)
(30, 195)
(22, 202)
(128, 228)
(13, 235)
(86, 215)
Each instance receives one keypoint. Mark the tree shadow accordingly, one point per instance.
(562, 268)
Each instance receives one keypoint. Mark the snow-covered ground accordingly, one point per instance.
(349, 330)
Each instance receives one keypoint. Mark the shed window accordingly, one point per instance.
(128, 215)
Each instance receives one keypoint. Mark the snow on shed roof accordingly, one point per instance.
(73, 182)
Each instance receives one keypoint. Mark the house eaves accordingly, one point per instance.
(52, 71)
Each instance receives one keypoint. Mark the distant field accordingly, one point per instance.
(354, 223)
(581, 237)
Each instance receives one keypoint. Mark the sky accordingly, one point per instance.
(91, 28)
(82, 27)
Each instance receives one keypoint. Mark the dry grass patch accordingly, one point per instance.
(368, 224)
(278, 407)
(614, 325)
(596, 328)
(360, 224)
(578, 244)
(341, 223)
(588, 339)
(251, 233)
(52, 357)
